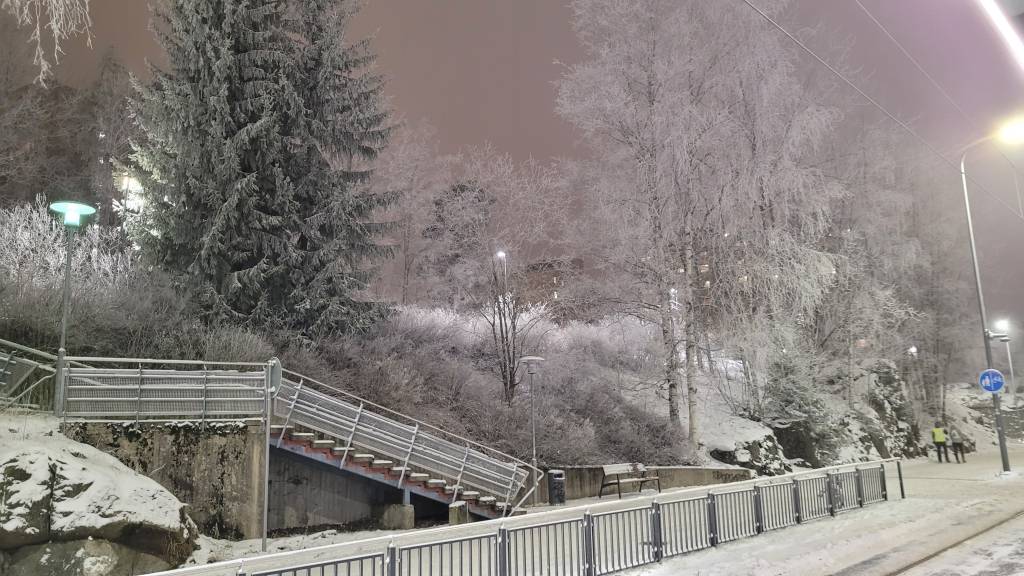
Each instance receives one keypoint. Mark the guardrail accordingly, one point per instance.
(150, 391)
(462, 462)
(597, 544)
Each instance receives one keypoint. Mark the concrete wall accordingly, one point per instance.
(585, 481)
(304, 492)
(216, 468)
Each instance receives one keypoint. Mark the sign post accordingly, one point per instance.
(992, 380)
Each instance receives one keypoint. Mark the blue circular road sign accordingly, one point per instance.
(991, 380)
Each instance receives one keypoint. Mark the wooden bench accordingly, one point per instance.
(635, 473)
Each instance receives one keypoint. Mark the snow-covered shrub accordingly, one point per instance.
(119, 306)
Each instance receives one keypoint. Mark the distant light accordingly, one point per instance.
(1005, 28)
(1003, 325)
(912, 351)
(1012, 132)
(72, 212)
(501, 254)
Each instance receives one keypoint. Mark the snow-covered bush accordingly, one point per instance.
(119, 306)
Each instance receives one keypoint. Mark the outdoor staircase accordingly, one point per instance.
(334, 452)
(338, 429)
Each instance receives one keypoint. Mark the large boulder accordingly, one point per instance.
(81, 558)
(54, 489)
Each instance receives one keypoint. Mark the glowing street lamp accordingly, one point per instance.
(1010, 133)
(72, 212)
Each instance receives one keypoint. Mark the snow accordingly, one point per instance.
(93, 489)
(997, 552)
(213, 550)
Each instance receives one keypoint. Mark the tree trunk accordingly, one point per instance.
(670, 345)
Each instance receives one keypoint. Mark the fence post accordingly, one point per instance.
(758, 510)
(589, 552)
(712, 519)
(60, 392)
(830, 494)
(138, 397)
(798, 504)
(860, 488)
(503, 561)
(391, 560)
(899, 472)
(657, 539)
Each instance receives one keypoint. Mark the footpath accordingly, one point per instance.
(946, 505)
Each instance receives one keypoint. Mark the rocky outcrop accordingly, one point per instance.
(53, 490)
(763, 455)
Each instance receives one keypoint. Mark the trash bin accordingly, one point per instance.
(556, 487)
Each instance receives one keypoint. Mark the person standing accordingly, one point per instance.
(957, 440)
(939, 439)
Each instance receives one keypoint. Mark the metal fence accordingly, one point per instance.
(597, 544)
(152, 392)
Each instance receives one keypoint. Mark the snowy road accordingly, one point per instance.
(946, 504)
(999, 552)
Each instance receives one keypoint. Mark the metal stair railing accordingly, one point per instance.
(416, 444)
(26, 377)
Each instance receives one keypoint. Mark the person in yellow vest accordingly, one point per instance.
(939, 438)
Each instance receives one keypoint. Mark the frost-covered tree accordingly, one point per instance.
(341, 129)
(58, 19)
(256, 139)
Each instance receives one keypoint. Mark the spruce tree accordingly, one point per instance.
(342, 129)
(248, 197)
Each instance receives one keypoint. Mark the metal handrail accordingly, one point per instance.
(99, 359)
(461, 439)
(33, 351)
(322, 412)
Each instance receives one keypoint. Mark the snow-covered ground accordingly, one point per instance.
(946, 503)
(213, 550)
(999, 552)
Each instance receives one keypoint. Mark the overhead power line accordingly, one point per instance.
(952, 163)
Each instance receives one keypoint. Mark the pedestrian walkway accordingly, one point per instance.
(946, 503)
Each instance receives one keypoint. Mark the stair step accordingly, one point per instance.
(278, 428)
(381, 464)
(450, 489)
(487, 500)
(323, 443)
(363, 457)
(399, 470)
(302, 436)
(435, 483)
(340, 450)
(418, 477)
(470, 495)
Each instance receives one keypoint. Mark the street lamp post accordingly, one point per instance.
(72, 213)
(531, 368)
(985, 332)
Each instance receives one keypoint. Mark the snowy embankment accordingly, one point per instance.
(68, 508)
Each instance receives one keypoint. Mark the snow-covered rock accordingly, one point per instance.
(81, 558)
(55, 489)
(731, 439)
